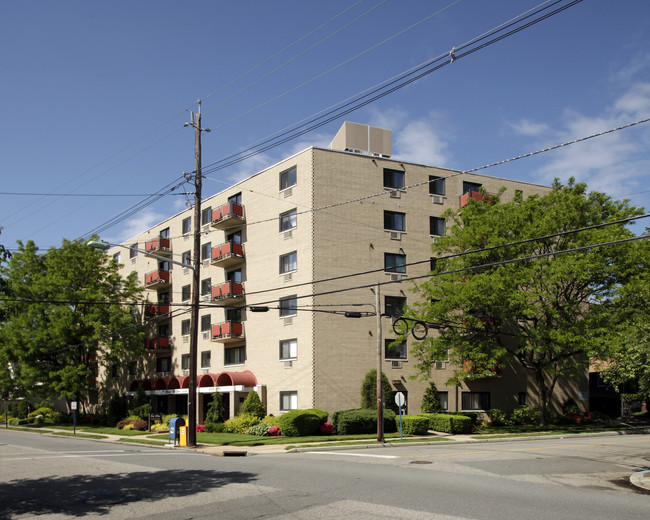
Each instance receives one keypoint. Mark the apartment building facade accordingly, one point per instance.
(295, 238)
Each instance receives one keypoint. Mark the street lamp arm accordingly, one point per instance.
(102, 245)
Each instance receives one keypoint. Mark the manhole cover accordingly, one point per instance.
(421, 462)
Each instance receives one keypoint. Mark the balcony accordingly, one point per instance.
(473, 194)
(228, 215)
(159, 246)
(157, 343)
(228, 293)
(228, 254)
(157, 279)
(155, 310)
(228, 332)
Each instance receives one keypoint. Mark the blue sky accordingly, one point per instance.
(95, 94)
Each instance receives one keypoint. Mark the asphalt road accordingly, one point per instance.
(577, 477)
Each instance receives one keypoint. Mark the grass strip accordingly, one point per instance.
(151, 442)
(81, 435)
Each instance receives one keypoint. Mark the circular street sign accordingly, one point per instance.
(399, 399)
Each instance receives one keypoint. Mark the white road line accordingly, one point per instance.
(102, 454)
(352, 454)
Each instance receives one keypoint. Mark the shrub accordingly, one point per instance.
(216, 410)
(497, 417)
(141, 412)
(253, 405)
(215, 427)
(525, 415)
(118, 407)
(240, 423)
(570, 407)
(271, 420)
(326, 428)
(448, 423)
(431, 400)
(322, 414)
(413, 424)
(299, 423)
(200, 428)
(274, 431)
(362, 420)
(129, 426)
(47, 415)
(160, 427)
(261, 429)
(369, 389)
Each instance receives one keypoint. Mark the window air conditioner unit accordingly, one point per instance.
(206, 262)
(440, 365)
(185, 270)
(438, 199)
(395, 235)
(132, 260)
(288, 364)
(394, 277)
(395, 364)
(288, 321)
(288, 234)
(395, 194)
(206, 335)
(288, 277)
(186, 339)
(288, 192)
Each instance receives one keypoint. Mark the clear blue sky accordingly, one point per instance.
(95, 94)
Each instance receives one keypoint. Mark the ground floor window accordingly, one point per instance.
(288, 401)
(521, 399)
(444, 400)
(476, 400)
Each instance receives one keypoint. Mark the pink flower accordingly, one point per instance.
(200, 428)
(274, 431)
(326, 428)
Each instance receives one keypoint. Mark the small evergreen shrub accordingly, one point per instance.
(448, 423)
(240, 423)
(497, 417)
(253, 405)
(271, 420)
(363, 420)
(413, 424)
(525, 415)
(215, 427)
(299, 423)
(261, 429)
(369, 389)
(431, 400)
(322, 414)
(47, 415)
(141, 412)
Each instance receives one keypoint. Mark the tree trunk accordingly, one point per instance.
(542, 396)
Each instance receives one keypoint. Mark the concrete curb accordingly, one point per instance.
(641, 479)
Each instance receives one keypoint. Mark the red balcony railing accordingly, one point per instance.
(156, 278)
(152, 310)
(230, 214)
(158, 246)
(159, 342)
(227, 293)
(227, 331)
(227, 254)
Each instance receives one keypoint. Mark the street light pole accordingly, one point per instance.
(195, 122)
(380, 404)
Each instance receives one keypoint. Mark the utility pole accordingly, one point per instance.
(195, 122)
(380, 404)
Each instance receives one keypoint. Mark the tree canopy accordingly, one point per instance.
(66, 313)
(543, 312)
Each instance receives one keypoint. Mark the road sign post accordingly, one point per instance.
(399, 399)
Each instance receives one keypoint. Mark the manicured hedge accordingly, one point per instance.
(413, 424)
(299, 423)
(448, 423)
(362, 420)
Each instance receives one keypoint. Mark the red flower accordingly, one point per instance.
(274, 431)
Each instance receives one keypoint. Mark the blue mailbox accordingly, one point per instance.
(174, 429)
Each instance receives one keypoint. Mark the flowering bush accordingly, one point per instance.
(327, 428)
(274, 431)
(200, 428)
(160, 427)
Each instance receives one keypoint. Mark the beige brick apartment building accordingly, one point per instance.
(287, 238)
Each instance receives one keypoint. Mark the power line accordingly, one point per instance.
(31, 194)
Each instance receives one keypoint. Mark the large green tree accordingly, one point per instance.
(67, 312)
(542, 313)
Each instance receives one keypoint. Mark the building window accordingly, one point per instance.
(206, 286)
(436, 185)
(205, 359)
(115, 371)
(187, 258)
(521, 399)
(436, 226)
(133, 368)
(164, 364)
(133, 251)
(234, 276)
(187, 225)
(394, 263)
(288, 262)
(164, 233)
(163, 330)
(288, 178)
(206, 216)
(185, 327)
(393, 179)
(186, 292)
(288, 306)
(394, 351)
(288, 401)
(185, 362)
(236, 198)
(206, 323)
(476, 401)
(288, 220)
(234, 237)
(394, 221)
(235, 356)
(288, 349)
(163, 297)
(394, 306)
(471, 186)
(444, 400)
(206, 251)
(233, 315)
(116, 257)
